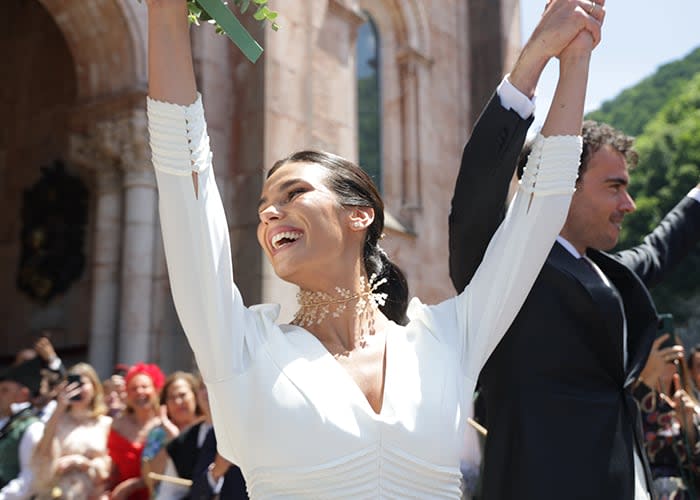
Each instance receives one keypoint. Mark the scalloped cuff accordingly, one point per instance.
(552, 167)
(178, 137)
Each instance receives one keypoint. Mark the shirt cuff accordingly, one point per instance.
(215, 485)
(695, 194)
(54, 364)
(512, 98)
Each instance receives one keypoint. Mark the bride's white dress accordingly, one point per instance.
(284, 410)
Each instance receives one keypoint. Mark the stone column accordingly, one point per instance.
(139, 235)
(94, 147)
(412, 64)
(105, 270)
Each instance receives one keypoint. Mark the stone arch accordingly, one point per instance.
(414, 21)
(107, 41)
(406, 19)
(76, 93)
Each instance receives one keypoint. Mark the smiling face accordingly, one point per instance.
(600, 203)
(181, 402)
(140, 392)
(302, 226)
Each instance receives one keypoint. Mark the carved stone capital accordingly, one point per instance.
(121, 142)
(136, 153)
(87, 149)
(108, 180)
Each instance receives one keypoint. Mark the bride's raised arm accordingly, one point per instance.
(520, 247)
(193, 222)
(170, 69)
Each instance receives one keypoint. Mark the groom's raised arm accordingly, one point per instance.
(490, 156)
(479, 200)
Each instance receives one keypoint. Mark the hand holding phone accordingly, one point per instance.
(74, 378)
(666, 326)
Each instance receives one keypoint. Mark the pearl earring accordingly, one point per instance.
(356, 224)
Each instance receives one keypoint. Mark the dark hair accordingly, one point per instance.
(354, 188)
(595, 136)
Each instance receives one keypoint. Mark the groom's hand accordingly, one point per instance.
(561, 24)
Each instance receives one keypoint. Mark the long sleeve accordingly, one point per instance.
(22, 486)
(666, 246)
(479, 200)
(476, 320)
(519, 248)
(219, 328)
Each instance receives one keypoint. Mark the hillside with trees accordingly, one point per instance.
(636, 106)
(668, 141)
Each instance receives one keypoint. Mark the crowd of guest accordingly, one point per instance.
(139, 434)
(667, 394)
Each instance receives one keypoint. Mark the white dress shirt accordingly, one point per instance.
(22, 486)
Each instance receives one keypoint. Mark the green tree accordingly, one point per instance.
(669, 165)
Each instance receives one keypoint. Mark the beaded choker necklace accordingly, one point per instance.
(314, 307)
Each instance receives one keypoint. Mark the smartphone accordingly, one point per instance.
(74, 378)
(666, 326)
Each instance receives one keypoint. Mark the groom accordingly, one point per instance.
(561, 419)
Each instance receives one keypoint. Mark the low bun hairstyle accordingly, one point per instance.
(354, 188)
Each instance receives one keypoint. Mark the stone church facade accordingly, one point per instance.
(74, 86)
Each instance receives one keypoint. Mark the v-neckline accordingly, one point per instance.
(349, 380)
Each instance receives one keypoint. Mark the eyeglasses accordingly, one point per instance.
(180, 395)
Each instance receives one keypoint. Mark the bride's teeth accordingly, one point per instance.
(287, 234)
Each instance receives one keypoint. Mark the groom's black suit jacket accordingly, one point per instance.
(561, 420)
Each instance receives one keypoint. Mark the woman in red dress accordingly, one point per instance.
(128, 433)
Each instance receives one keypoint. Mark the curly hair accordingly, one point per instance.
(595, 136)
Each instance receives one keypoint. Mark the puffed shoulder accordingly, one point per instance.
(436, 319)
(268, 311)
(416, 309)
(178, 136)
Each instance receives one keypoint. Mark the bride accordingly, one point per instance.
(362, 395)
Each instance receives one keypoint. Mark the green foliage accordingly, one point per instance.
(262, 12)
(669, 165)
(635, 107)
